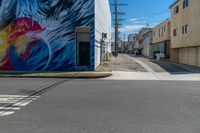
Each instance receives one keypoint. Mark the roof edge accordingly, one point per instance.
(174, 4)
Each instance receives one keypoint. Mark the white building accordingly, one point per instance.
(147, 41)
(102, 25)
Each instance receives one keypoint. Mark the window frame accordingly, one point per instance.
(185, 29)
(175, 32)
(185, 3)
(176, 10)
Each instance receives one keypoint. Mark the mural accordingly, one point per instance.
(39, 35)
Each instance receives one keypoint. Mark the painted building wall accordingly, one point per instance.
(102, 25)
(40, 35)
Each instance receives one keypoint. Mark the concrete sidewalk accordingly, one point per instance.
(119, 75)
(121, 63)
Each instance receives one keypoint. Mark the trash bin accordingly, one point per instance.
(157, 56)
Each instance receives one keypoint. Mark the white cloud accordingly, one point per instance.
(130, 28)
(133, 25)
(137, 20)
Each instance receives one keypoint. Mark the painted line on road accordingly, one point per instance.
(6, 113)
(9, 108)
(16, 102)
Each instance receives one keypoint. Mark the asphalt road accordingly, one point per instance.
(97, 106)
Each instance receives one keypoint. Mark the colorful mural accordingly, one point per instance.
(39, 35)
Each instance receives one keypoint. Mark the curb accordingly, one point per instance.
(72, 76)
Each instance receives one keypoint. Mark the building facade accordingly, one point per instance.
(102, 27)
(147, 41)
(142, 47)
(136, 45)
(62, 35)
(131, 42)
(185, 34)
(161, 40)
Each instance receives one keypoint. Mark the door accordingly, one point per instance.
(192, 57)
(84, 54)
(184, 54)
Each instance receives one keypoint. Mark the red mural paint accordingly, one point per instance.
(20, 29)
(25, 25)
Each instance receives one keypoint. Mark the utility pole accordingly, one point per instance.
(116, 14)
(124, 47)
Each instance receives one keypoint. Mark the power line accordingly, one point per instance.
(148, 17)
(151, 15)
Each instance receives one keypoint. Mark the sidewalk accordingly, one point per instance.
(121, 63)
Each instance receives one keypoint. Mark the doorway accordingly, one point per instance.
(84, 54)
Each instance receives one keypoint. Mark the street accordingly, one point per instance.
(100, 105)
(93, 106)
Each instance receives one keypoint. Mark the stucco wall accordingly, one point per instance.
(166, 34)
(190, 16)
(174, 55)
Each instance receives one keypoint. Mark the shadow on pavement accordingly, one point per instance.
(173, 68)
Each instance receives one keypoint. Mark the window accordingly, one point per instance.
(185, 3)
(161, 32)
(154, 33)
(176, 10)
(175, 32)
(185, 29)
(164, 28)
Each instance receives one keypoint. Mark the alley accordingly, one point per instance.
(121, 63)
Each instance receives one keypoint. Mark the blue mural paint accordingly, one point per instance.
(43, 33)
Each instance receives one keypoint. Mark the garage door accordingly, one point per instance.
(199, 56)
(193, 56)
(184, 55)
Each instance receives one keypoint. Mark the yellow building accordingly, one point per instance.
(161, 40)
(185, 32)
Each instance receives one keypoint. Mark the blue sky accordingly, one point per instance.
(141, 12)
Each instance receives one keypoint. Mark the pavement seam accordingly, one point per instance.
(144, 65)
